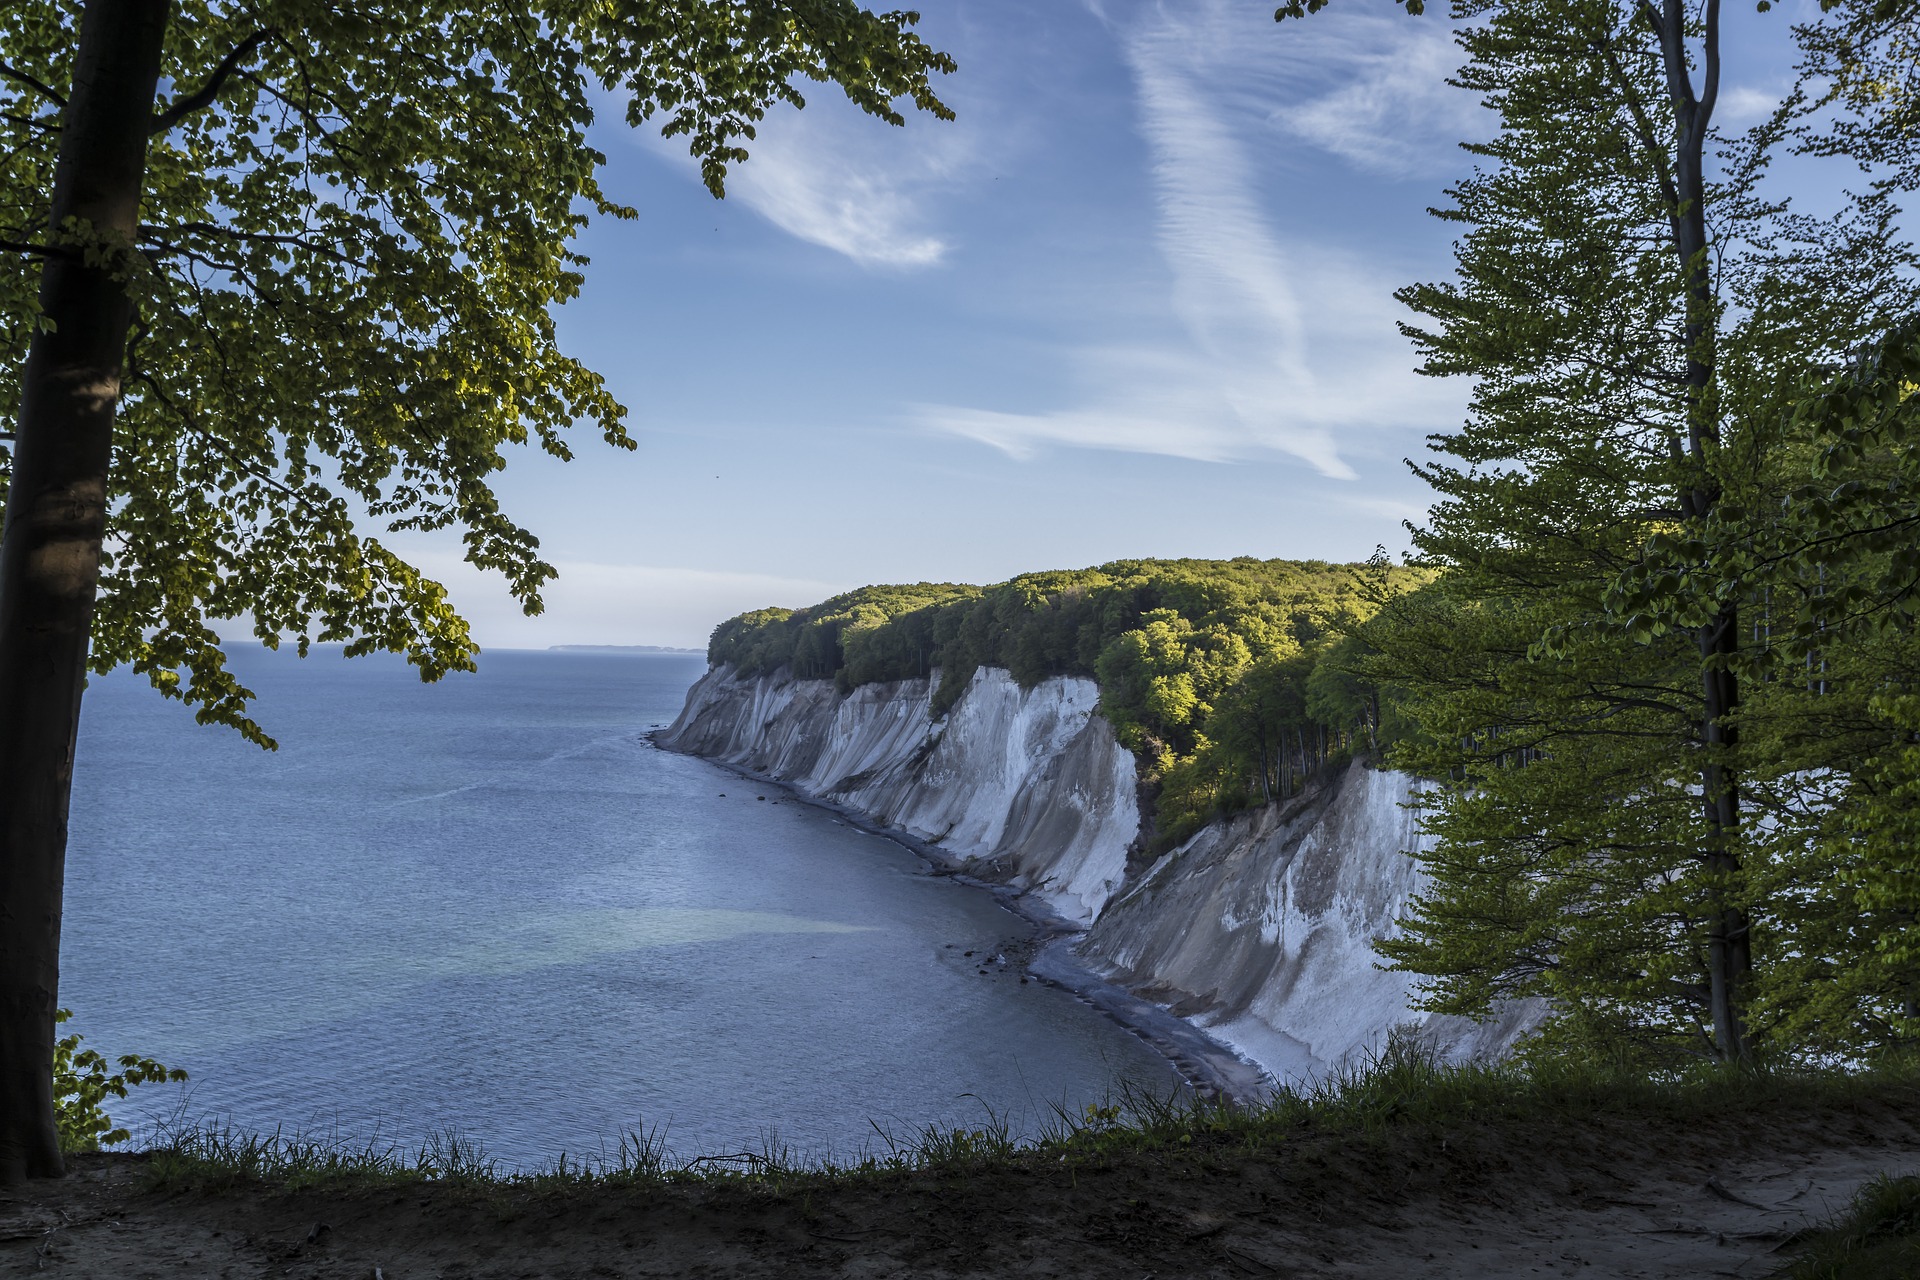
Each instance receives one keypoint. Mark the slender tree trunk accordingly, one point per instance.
(50, 549)
(1729, 948)
(1729, 933)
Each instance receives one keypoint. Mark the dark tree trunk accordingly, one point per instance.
(1729, 946)
(50, 550)
(1729, 950)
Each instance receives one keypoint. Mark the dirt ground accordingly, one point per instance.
(1612, 1196)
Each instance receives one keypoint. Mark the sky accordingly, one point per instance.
(1137, 300)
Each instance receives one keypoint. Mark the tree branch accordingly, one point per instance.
(31, 122)
(20, 77)
(1652, 15)
(1643, 126)
(1710, 85)
(157, 236)
(39, 250)
(184, 107)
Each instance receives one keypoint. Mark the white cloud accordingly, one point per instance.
(1143, 401)
(1399, 510)
(1742, 105)
(836, 177)
(1291, 347)
(1368, 88)
(826, 185)
(1231, 285)
(1392, 111)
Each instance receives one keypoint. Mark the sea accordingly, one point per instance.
(490, 907)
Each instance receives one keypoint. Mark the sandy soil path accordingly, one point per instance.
(1607, 1197)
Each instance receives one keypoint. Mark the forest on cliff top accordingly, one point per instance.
(1230, 680)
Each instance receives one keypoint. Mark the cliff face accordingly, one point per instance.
(1029, 778)
(1259, 929)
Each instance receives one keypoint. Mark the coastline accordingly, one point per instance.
(1211, 1068)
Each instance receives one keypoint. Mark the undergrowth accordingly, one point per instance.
(83, 1080)
(1877, 1239)
(1402, 1089)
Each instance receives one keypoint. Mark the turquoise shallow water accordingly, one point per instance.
(491, 905)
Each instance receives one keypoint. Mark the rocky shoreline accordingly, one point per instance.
(1207, 1066)
(1257, 933)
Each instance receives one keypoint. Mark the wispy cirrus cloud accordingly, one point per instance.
(836, 177)
(1289, 346)
(1389, 110)
(847, 182)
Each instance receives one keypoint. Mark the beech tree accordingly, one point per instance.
(1833, 572)
(1834, 566)
(1641, 313)
(266, 264)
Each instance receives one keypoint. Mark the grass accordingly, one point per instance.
(1399, 1091)
(1878, 1238)
(216, 1156)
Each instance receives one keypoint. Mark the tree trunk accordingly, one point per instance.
(50, 548)
(1729, 950)
(1729, 944)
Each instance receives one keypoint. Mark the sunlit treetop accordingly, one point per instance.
(355, 230)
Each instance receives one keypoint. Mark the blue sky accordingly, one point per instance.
(1135, 301)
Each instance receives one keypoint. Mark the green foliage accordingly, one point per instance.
(1841, 872)
(1206, 669)
(1829, 577)
(1666, 763)
(357, 225)
(846, 638)
(83, 1080)
(1564, 817)
(1836, 551)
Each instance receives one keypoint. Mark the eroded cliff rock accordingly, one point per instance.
(1032, 778)
(1259, 929)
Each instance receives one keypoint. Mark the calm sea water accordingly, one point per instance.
(491, 905)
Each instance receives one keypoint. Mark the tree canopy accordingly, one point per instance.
(354, 230)
(1652, 697)
(1226, 678)
(278, 276)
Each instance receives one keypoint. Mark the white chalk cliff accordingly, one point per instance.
(1259, 929)
(1031, 778)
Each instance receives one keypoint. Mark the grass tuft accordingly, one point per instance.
(1403, 1088)
(218, 1156)
(1877, 1239)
